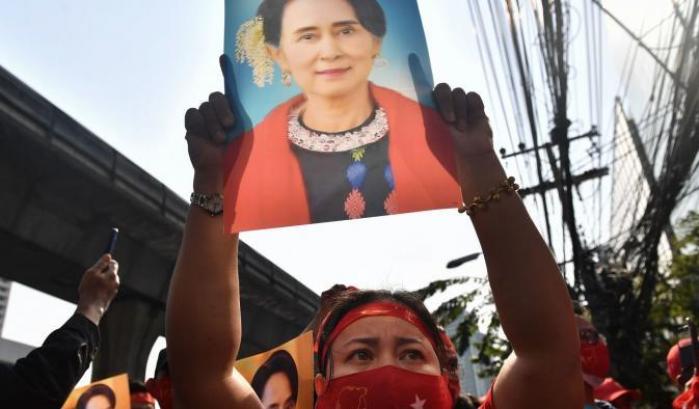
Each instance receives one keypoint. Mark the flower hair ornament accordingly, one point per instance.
(250, 47)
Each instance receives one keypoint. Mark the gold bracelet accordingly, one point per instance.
(507, 187)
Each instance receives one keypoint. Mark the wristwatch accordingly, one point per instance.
(211, 203)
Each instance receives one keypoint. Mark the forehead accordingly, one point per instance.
(277, 387)
(98, 401)
(379, 327)
(315, 13)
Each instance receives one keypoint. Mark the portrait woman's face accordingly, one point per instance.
(98, 402)
(325, 48)
(374, 342)
(277, 392)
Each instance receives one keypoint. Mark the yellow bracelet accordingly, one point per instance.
(507, 187)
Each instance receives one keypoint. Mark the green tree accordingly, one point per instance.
(682, 287)
(472, 310)
(675, 298)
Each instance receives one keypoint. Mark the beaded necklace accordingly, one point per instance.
(373, 129)
(353, 142)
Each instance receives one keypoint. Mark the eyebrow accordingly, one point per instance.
(374, 341)
(335, 24)
(407, 341)
(371, 341)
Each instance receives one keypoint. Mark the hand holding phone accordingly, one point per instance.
(112, 241)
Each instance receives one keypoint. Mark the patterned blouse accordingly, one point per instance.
(347, 174)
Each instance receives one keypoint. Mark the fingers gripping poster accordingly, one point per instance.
(283, 377)
(334, 114)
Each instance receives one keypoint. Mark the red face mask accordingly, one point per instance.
(161, 389)
(388, 387)
(594, 358)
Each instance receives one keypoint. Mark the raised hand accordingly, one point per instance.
(206, 137)
(477, 163)
(526, 283)
(97, 288)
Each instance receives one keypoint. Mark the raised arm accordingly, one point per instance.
(203, 310)
(530, 294)
(47, 375)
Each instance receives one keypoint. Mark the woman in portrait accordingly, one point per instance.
(98, 396)
(276, 382)
(344, 148)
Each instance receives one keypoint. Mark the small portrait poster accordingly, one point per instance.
(283, 377)
(334, 114)
(110, 393)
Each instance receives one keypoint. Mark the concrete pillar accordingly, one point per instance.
(128, 331)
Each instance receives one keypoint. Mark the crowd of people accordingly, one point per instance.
(372, 349)
(45, 377)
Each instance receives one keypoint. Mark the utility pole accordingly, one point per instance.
(564, 182)
(646, 166)
(591, 174)
(641, 44)
(532, 119)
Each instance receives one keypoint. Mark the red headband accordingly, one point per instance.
(373, 309)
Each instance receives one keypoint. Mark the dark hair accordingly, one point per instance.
(369, 13)
(279, 362)
(162, 364)
(327, 301)
(467, 402)
(95, 390)
(348, 300)
(136, 386)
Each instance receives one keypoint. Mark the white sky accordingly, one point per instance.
(129, 69)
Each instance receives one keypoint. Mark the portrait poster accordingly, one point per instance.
(113, 391)
(291, 364)
(334, 114)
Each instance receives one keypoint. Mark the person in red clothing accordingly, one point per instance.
(140, 396)
(344, 148)
(160, 386)
(375, 349)
(680, 362)
(594, 358)
(379, 341)
(681, 369)
(613, 392)
(688, 399)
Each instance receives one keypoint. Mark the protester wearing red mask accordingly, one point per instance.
(611, 391)
(377, 350)
(594, 359)
(140, 397)
(160, 386)
(367, 366)
(680, 362)
(680, 368)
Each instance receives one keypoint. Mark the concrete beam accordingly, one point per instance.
(63, 188)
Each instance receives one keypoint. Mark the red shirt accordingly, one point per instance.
(687, 400)
(488, 402)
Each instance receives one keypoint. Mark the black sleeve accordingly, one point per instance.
(45, 377)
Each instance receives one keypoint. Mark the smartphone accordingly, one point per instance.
(112, 241)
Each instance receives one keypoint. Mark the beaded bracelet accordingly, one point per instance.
(507, 187)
